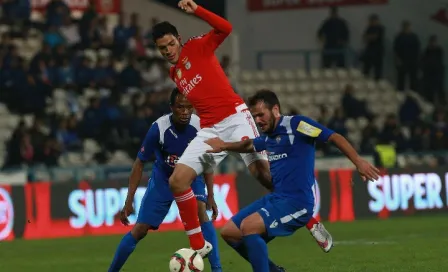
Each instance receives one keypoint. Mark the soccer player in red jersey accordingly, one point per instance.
(223, 113)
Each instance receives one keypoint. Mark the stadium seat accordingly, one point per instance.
(341, 73)
(74, 159)
(260, 76)
(351, 125)
(329, 74)
(13, 121)
(362, 122)
(274, 75)
(304, 87)
(246, 76)
(315, 74)
(302, 74)
(3, 109)
(59, 95)
(91, 146)
(288, 75)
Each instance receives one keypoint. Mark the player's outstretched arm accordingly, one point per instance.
(366, 169)
(218, 23)
(134, 181)
(219, 145)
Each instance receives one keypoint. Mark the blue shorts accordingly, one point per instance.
(281, 216)
(157, 201)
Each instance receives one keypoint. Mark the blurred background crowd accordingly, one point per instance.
(78, 86)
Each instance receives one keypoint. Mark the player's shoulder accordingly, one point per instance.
(194, 40)
(195, 122)
(164, 122)
(305, 125)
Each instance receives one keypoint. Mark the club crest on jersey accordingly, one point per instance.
(186, 63)
(278, 139)
(179, 73)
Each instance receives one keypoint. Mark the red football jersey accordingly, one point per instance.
(199, 76)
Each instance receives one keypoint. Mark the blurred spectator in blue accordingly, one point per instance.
(52, 72)
(105, 73)
(66, 74)
(70, 33)
(130, 76)
(61, 53)
(334, 35)
(12, 54)
(337, 122)
(409, 111)
(407, 55)
(16, 10)
(44, 55)
(84, 74)
(87, 17)
(67, 134)
(56, 11)
(90, 37)
(420, 137)
(50, 153)
(433, 72)
(120, 36)
(52, 37)
(139, 123)
(134, 24)
(93, 120)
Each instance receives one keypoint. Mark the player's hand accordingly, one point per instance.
(217, 145)
(211, 205)
(125, 212)
(367, 171)
(189, 6)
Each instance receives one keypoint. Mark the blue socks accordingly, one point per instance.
(124, 250)
(208, 230)
(240, 248)
(257, 251)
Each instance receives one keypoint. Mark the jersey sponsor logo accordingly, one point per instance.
(188, 86)
(172, 160)
(6, 214)
(308, 129)
(276, 157)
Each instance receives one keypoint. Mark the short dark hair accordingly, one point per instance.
(173, 96)
(269, 98)
(163, 28)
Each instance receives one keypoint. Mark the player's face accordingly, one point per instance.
(182, 110)
(264, 117)
(169, 47)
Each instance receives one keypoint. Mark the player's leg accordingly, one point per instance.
(207, 227)
(231, 232)
(191, 164)
(153, 209)
(279, 217)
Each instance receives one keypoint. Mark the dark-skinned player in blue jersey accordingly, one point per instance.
(167, 138)
(290, 144)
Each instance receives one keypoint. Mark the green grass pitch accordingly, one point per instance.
(404, 244)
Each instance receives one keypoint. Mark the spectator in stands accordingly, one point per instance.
(369, 138)
(93, 119)
(87, 17)
(337, 122)
(52, 37)
(136, 44)
(56, 11)
(439, 138)
(409, 111)
(90, 37)
(70, 32)
(373, 54)
(67, 135)
(324, 116)
(392, 134)
(407, 55)
(66, 75)
(50, 153)
(104, 74)
(139, 123)
(120, 36)
(130, 76)
(103, 30)
(134, 25)
(148, 37)
(420, 137)
(84, 74)
(44, 55)
(353, 108)
(334, 35)
(433, 72)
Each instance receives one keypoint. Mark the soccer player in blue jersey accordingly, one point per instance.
(167, 138)
(290, 144)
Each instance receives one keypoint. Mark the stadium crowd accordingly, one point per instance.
(28, 86)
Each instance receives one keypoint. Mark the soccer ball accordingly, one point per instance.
(186, 259)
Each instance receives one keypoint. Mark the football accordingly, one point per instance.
(186, 259)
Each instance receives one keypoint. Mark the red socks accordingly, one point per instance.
(188, 210)
(311, 223)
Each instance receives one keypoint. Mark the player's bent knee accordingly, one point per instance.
(139, 231)
(181, 178)
(253, 224)
(231, 233)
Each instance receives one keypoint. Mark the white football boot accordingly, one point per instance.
(322, 237)
(205, 250)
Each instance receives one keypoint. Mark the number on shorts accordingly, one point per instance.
(245, 138)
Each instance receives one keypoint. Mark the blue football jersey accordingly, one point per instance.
(168, 144)
(291, 153)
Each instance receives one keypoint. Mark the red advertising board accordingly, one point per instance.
(267, 5)
(54, 210)
(102, 6)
